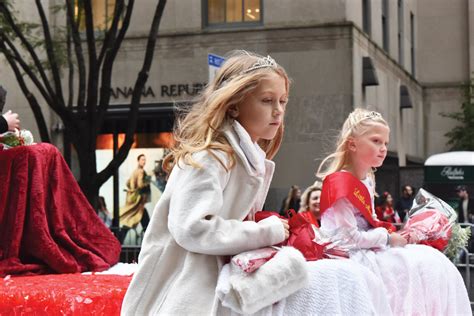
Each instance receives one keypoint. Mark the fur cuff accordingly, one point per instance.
(278, 278)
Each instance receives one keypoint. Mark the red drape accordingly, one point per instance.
(46, 223)
(63, 294)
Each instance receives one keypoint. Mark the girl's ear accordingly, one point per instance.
(351, 144)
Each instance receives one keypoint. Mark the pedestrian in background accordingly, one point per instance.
(309, 206)
(465, 206)
(292, 201)
(405, 202)
(385, 211)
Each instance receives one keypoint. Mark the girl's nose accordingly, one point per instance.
(278, 109)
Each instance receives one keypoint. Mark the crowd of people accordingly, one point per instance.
(386, 210)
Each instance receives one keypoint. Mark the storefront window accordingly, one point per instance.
(103, 14)
(233, 12)
(141, 180)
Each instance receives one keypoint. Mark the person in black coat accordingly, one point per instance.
(9, 122)
(405, 202)
(292, 201)
(466, 205)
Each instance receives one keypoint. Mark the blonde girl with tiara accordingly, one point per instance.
(417, 279)
(220, 175)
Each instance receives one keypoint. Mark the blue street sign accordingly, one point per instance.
(215, 60)
(214, 63)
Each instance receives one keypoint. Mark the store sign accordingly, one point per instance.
(171, 90)
(177, 90)
(449, 174)
(126, 92)
(453, 173)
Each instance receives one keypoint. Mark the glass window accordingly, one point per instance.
(103, 13)
(385, 25)
(412, 43)
(252, 10)
(400, 32)
(366, 12)
(233, 12)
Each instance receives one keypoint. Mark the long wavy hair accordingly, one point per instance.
(199, 127)
(357, 123)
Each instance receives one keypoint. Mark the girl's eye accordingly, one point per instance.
(267, 100)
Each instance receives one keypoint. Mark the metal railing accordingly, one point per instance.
(467, 261)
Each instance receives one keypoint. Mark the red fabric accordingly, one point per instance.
(344, 185)
(309, 216)
(301, 234)
(264, 214)
(46, 223)
(302, 237)
(63, 294)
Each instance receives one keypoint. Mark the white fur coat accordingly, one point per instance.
(196, 223)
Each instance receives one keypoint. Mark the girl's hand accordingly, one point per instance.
(397, 240)
(286, 227)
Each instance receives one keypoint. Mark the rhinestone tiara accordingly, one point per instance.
(372, 114)
(263, 62)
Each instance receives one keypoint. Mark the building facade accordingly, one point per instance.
(403, 58)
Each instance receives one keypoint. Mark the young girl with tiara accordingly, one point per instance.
(417, 279)
(220, 177)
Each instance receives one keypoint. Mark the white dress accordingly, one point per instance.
(416, 279)
(336, 287)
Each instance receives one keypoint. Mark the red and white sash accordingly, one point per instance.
(345, 185)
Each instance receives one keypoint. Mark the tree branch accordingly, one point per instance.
(93, 69)
(110, 34)
(137, 92)
(26, 68)
(81, 92)
(24, 41)
(70, 64)
(50, 53)
(107, 68)
(35, 107)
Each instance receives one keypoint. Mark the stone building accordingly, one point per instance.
(403, 58)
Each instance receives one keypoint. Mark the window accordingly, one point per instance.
(366, 16)
(385, 25)
(232, 12)
(412, 42)
(103, 13)
(400, 32)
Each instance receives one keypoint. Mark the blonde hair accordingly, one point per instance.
(304, 204)
(357, 123)
(200, 127)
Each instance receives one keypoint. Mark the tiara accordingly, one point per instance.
(262, 62)
(372, 115)
(366, 116)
